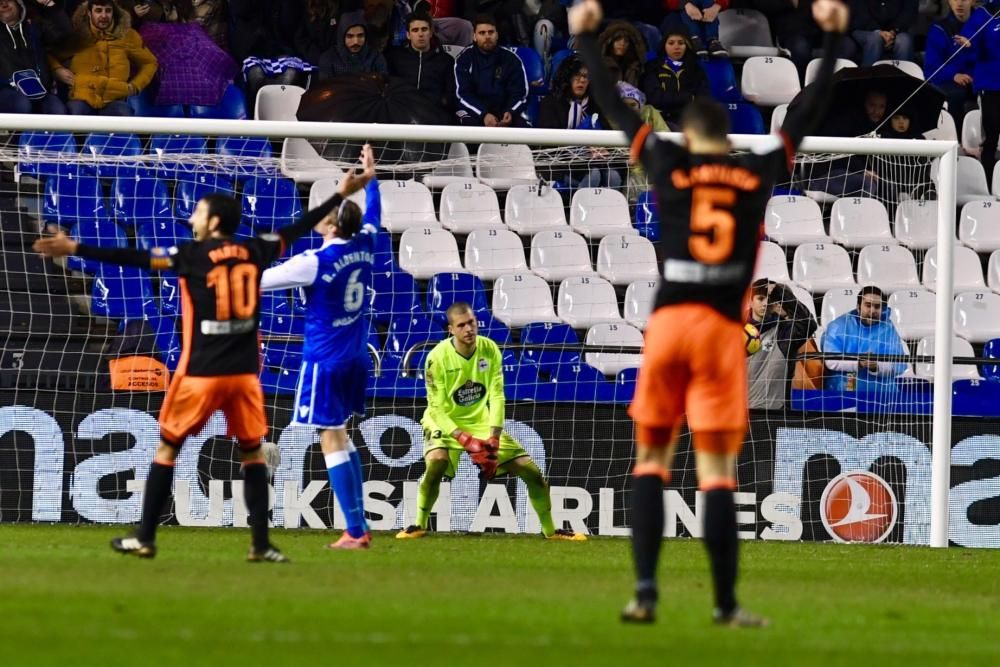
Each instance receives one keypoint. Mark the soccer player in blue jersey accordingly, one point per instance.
(335, 365)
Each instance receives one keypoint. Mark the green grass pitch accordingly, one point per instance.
(67, 599)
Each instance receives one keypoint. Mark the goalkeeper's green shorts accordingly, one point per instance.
(510, 448)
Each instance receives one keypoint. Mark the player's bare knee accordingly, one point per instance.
(250, 451)
(333, 440)
(167, 452)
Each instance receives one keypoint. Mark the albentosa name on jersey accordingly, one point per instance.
(353, 258)
(740, 178)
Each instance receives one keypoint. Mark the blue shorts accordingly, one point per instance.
(329, 393)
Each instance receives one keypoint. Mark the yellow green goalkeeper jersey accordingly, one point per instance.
(464, 393)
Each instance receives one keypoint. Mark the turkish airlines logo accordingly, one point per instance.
(858, 507)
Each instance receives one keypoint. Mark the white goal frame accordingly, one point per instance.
(947, 151)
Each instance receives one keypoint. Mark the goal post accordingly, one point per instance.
(945, 151)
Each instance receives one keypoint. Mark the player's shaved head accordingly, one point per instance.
(457, 309)
(705, 118)
(226, 209)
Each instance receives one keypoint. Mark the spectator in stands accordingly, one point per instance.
(701, 19)
(512, 21)
(104, 61)
(449, 28)
(492, 88)
(623, 46)
(350, 54)
(864, 331)
(317, 32)
(881, 29)
(851, 176)
(951, 72)
(757, 306)
(211, 15)
(24, 69)
(158, 11)
(636, 100)
(794, 28)
(982, 34)
(424, 63)
(646, 16)
(900, 127)
(786, 327)
(675, 77)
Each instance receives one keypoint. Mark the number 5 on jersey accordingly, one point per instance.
(713, 227)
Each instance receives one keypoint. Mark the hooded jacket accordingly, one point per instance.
(338, 61)
(943, 59)
(634, 60)
(492, 82)
(984, 32)
(22, 43)
(105, 63)
(770, 370)
(670, 91)
(432, 73)
(847, 335)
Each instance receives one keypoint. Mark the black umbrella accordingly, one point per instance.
(921, 101)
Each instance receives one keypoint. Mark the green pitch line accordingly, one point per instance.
(67, 599)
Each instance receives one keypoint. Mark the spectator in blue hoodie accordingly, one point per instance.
(982, 34)
(865, 330)
(951, 72)
(491, 85)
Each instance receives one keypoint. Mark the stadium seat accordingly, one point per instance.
(805, 296)
(143, 105)
(245, 155)
(836, 302)
(959, 348)
(41, 153)
(778, 117)
(945, 130)
(639, 298)
(916, 223)
(490, 253)
(424, 251)
(623, 259)
(301, 162)
(270, 202)
(912, 312)
(119, 292)
(967, 274)
(977, 316)
(324, 188)
(534, 208)
(161, 232)
(192, 186)
(466, 207)
(276, 315)
(769, 81)
(560, 339)
(612, 363)
(820, 267)
(278, 102)
(625, 385)
(406, 204)
(812, 69)
(557, 255)
(445, 289)
(888, 266)
(721, 79)
(232, 106)
(520, 298)
(744, 118)
(73, 197)
(995, 183)
(384, 259)
(137, 200)
(455, 168)
(993, 271)
(859, 221)
(104, 148)
(580, 382)
(405, 333)
(972, 133)
(453, 50)
(647, 216)
(746, 33)
(492, 328)
(534, 70)
(170, 294)
(177, 153)
(991, 350)
(771, 263)
(598, 212)
(794, 219)
(393, 294)
(502, 166)
(586, 301)
(972, 184)
(911, 68)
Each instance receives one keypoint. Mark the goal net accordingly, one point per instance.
(553, 244)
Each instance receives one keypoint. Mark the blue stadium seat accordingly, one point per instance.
(991, 350)
(647, 217)
(110, 146)
(625, 385)
(245, 232)
(521, 381)
(383, 252)
(577, 381)
(193, 186)
(744, 118)
(445, 289)
(556, 60)
(404, 333)
(170, 295)
(721, 79)
(73, 197)
(548, 362)
(311, 241)
(161, 233)
(168, 340)
(394, 295)
(120, 292)
(276, 316)
(282, 362)
(140, 200)
(534, 70)
(493, 328)
(143, 105)
(102, 233)
(167, 146)
(244, 148)
(270, 202)
(30, 144)
(233, 105)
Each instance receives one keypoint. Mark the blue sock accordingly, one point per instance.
(342, 480)
(358, 479)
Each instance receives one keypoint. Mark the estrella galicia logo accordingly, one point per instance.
(469, 393)
(858, 507)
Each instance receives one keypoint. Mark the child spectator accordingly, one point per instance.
(701, 19)
(675, 77)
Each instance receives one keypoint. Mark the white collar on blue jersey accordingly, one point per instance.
(334, 241)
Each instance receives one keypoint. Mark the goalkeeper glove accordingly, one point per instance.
(482, 453)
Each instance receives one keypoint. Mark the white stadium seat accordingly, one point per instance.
(278, 102)
(612, 363)
(626, 258)
(945, 130)
(533, 208)
(995, 187)
(812, 69)
(778, 117)
(887, 266)
(769, 81)
(805, 296)
(836, 302)
(453, 50)
(972, 185)
(967, 273)
(977, 316)
(959, 348)
(746, 33)
(639, 298)
(406, 204)
(792, 219)
(502, 166)
(911, 68)
(558, 255)
(912, 312)
(424, 251)
(522, 298)
(771, 263)
(859, 221)
(301, 162)
(598, 212)
(585, 301)
(972, 133)
(456, 168)
(820, 267)
(466, 207)
(916, 223)
(993, 271)
(324, 188)
(490, 253)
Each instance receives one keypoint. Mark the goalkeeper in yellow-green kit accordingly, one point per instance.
(465, 413)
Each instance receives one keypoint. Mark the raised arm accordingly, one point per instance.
(372, 222)
(60, 245)
(299, 271)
